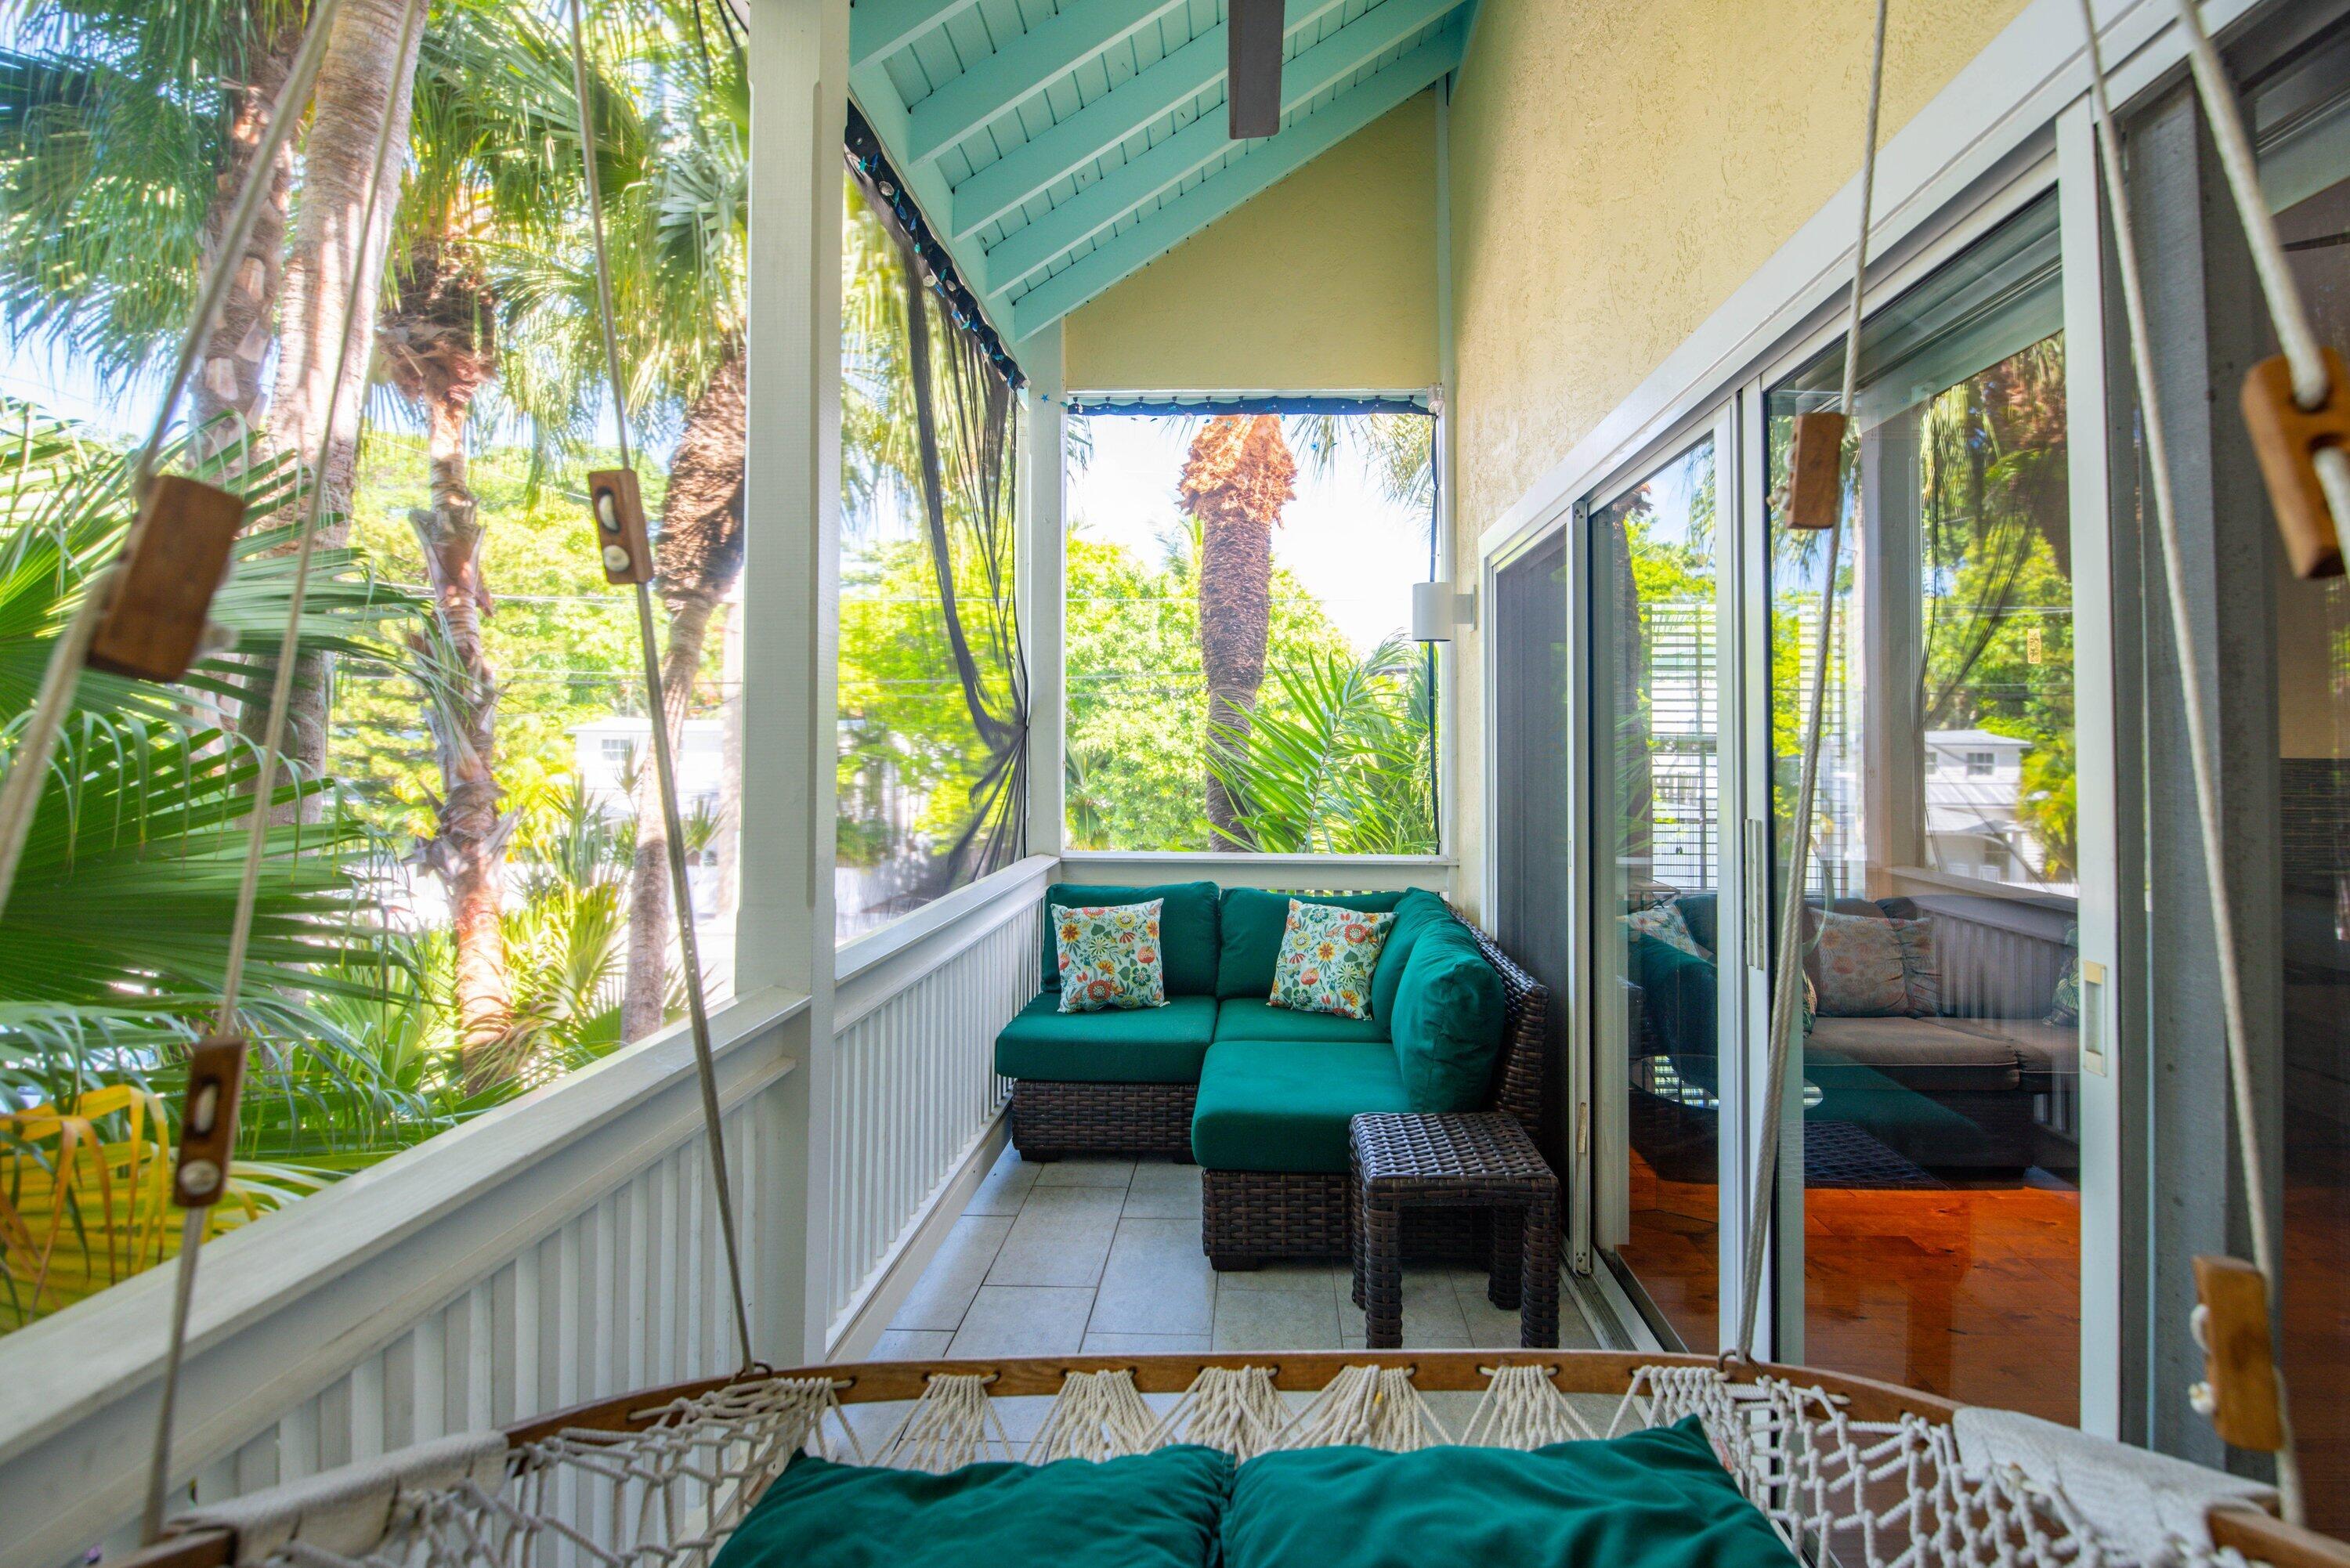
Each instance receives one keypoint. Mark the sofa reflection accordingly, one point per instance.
(1940, 1039)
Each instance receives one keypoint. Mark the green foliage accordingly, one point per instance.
(1138, 705)
(563, 642)
(117, 931)
(1343, 762)
(113, 121)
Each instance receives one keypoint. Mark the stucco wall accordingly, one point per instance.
(1615, 171)
(1326, 280)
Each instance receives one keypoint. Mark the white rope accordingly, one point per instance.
(2200, 750)
(2307, 358)
(1523, 1409)
(1098, 1415)
(20, 792)
(1902, 1493)
(1377, 1407)
(191, 1224)
(664, 765)
(954, 1424)
(1788, 978)
(1235, 1409)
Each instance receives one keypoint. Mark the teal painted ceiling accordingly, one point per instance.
(1058, 145)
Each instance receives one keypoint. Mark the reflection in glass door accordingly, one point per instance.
(1939, 1231)
(1655, 716)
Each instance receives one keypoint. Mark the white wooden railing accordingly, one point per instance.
(916, 1104)
(556, 1250)
(553, 1250)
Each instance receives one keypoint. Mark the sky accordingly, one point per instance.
(1353, 548)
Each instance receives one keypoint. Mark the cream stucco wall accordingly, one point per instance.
(1325, 281)
(1615, 171)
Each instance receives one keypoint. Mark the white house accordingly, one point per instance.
(607, 752)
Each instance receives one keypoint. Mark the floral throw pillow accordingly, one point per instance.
(1327, 954)
(1858, 962)
(1666, 922)
(1110, 957)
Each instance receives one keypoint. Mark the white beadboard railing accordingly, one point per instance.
(914, 1090)
(556, 1249)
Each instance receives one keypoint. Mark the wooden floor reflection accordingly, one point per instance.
(1970, 1292)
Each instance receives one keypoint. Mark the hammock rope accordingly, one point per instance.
(2202, 752)
(1899, 1489)
(191, 1224)
(656, 700)
(1786, 982)
(21, 790)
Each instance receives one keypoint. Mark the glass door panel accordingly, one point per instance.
(1655, 715)
(1938, 1139)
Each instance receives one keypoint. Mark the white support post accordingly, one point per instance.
(799, 56)
(1460, 659)
(1042, 585)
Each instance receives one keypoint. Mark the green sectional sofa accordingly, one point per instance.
(1261, 1095)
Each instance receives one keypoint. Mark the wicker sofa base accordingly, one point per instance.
(1251, 1217)
(1051, 1118)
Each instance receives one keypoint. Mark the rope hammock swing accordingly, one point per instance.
(1878, 1476)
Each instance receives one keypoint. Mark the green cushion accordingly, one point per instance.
(1650, 1500)
(1259, 1020)
(1283, 1104)
(1416, 913)
(1447, 1024)
(1158, 1509)
(1187, 930)
(1130, 1045)
(1252, 920)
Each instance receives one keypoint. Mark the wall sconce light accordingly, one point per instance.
(1436, 610)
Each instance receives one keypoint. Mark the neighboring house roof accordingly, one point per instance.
(1055, 158)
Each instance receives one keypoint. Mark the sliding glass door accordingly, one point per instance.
(1935, 1235)
(1654, 706)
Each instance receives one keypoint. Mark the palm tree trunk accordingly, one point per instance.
(367, 74)
(1236, 479)
(228, 386)
(701, 554)
(468, 850)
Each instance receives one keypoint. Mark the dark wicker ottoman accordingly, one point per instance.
(1467, 1161)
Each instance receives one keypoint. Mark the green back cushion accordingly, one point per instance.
(1652, 1499)
(1416, 912)
(1187, 930)
(1151, 1511)
(1252, 921)
(1447, 1022)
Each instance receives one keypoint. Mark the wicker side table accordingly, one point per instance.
(1468, 1161)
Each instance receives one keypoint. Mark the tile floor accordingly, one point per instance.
(1103, 1256)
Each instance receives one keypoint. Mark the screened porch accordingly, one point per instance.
(1356, 522)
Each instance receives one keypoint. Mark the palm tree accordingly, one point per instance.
(700, 558)
(1343, 768)
(1237, 478)
(365, 85)
(490, 89)
(696, 204)
(127, 131)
